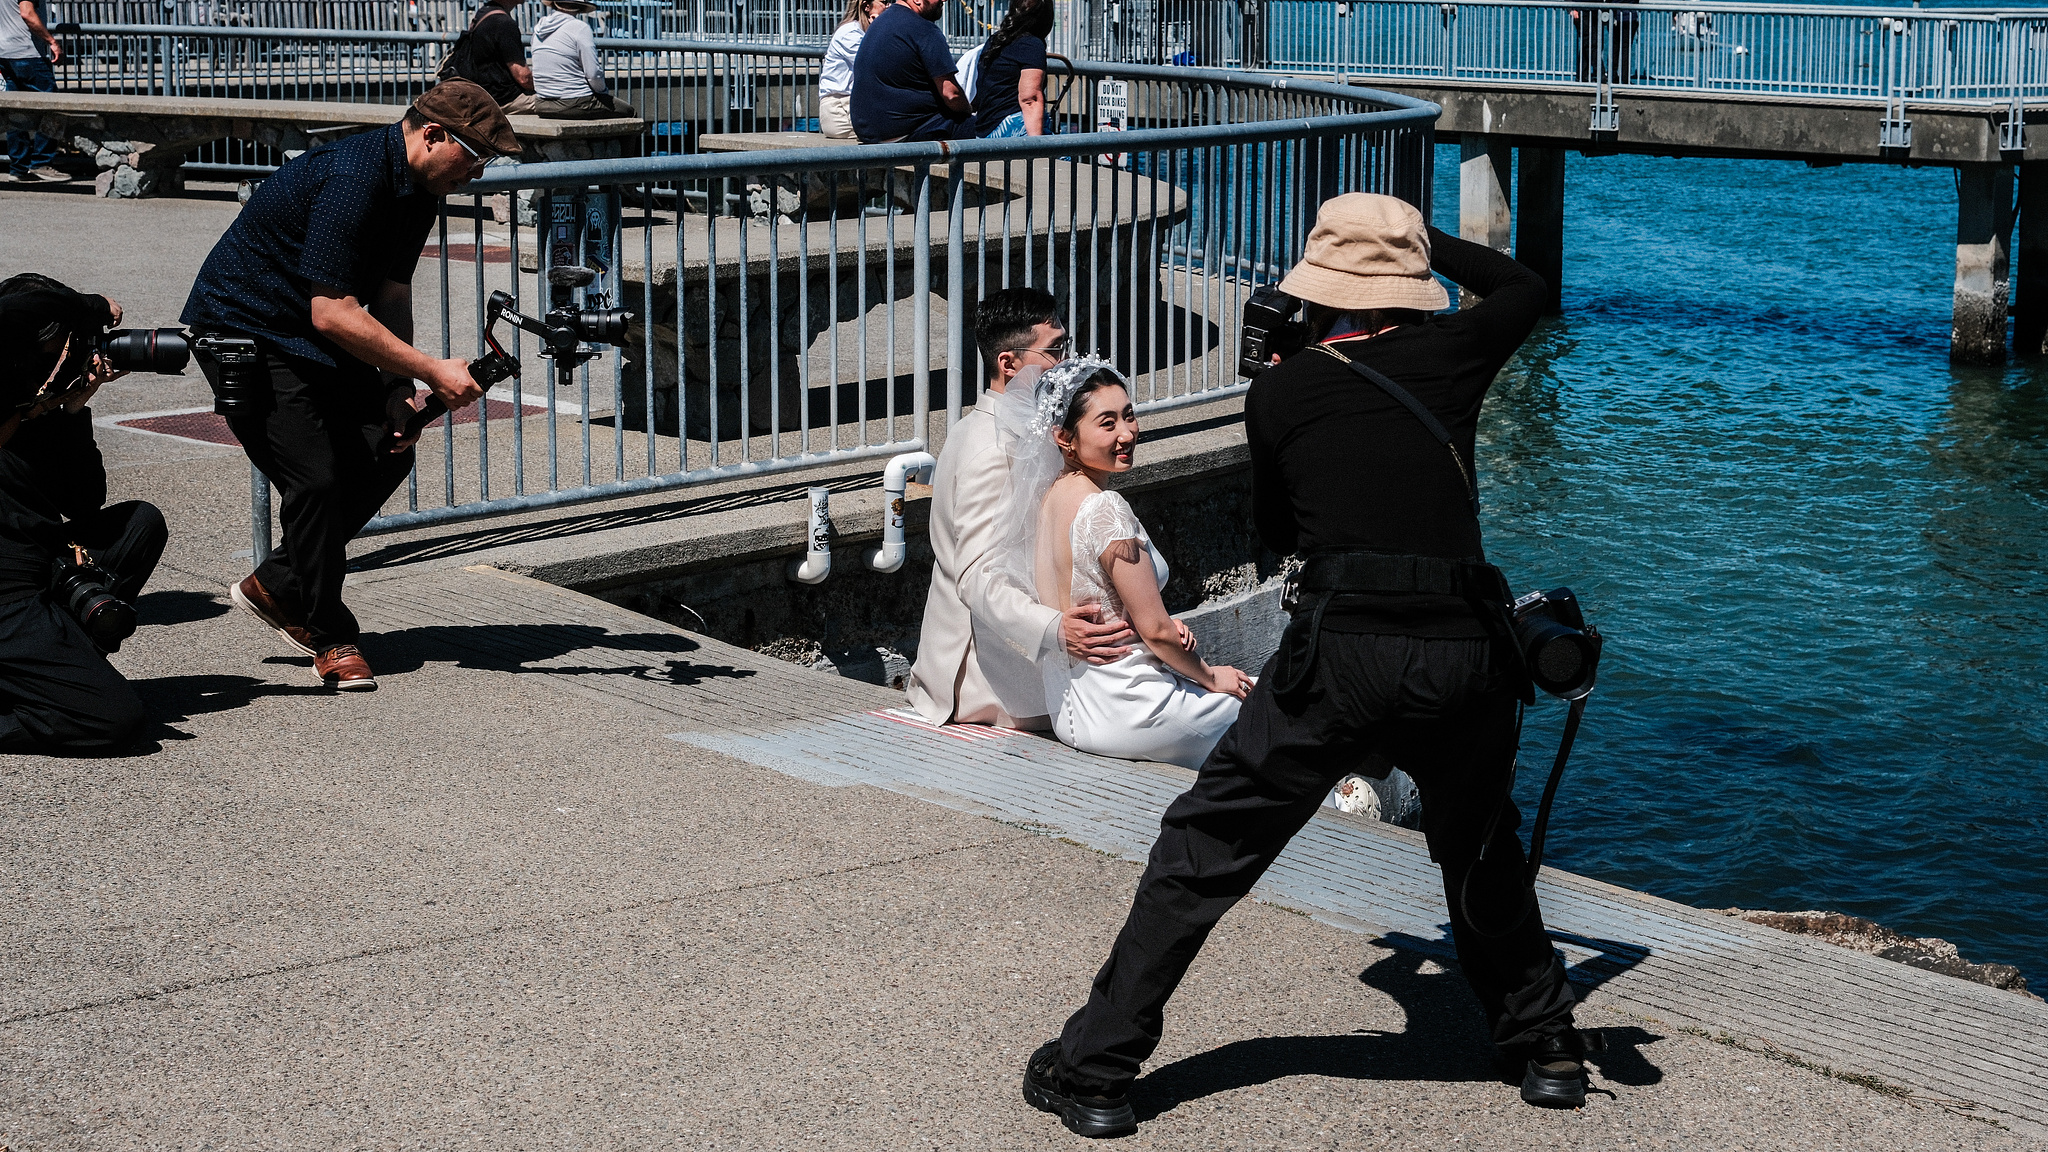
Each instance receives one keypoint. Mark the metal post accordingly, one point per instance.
(2030, 309)
(1539, 217)
(921, 292)
(1984, 220)
(956, 290)
(259, 519)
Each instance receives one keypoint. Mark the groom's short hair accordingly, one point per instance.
(1004, 320)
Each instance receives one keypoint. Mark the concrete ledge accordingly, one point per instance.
(1666, 121)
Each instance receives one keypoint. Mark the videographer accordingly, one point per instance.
(58, 693)
(1398, 653)
(316, 275)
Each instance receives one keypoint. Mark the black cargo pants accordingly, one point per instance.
(1444, 711)
(318, 447)
(57, 692)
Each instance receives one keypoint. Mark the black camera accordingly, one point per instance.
(1560, 648)
(86, 590)
(562, 331)
(1270, 330)
(164, 351)
(241, 383)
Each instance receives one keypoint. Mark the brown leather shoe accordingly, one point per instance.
(257, 601)
(344, 669)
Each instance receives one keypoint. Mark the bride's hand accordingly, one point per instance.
(1224, 678)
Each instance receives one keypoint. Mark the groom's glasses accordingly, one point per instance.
(1059, 349)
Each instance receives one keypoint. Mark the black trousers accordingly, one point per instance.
(318, 446)
(57, 691)
(1440, 709)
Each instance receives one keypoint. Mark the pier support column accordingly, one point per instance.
(1485, 173)
(2030, 309)
(1983, 267)
(1539, 217)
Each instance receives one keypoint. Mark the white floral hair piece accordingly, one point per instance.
(1056, 387)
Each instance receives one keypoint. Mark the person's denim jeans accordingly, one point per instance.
(27, 151)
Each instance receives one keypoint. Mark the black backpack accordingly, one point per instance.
(460, 63)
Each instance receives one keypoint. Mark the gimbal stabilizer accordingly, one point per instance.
(563, 332)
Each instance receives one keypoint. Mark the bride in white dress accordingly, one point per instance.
(1073, 542)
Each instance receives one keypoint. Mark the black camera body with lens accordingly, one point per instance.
(86, 591)
(1269, 329)
(1561, 650)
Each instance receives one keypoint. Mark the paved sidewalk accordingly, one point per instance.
(497, 903)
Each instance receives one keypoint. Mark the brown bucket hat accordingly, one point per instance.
(468, 111)
(1367, 251)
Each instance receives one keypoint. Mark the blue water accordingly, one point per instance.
(1820, 552)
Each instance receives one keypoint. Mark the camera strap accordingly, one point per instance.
(1421, 412)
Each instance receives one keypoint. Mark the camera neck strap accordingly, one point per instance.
(1421, 412)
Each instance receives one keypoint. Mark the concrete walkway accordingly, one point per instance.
(497, 902)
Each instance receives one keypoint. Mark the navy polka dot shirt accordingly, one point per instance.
(345, 215)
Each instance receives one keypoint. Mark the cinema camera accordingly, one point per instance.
(563, 332)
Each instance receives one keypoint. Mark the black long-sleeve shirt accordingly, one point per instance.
(1337, 463)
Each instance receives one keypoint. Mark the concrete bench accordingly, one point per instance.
(139, 142)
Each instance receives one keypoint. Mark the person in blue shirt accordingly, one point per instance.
(1009, 96)
(903, 79)
(318, 271)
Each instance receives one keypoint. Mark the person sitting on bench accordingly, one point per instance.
(568, 83)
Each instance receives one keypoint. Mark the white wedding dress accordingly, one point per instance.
(1136, 708)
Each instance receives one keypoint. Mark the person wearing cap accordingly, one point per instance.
(1395, 656)
(318, 270)
(568, 82)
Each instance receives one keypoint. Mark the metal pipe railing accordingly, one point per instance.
(810, 307)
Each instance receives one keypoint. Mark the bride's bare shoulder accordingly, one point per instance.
(1068, 493)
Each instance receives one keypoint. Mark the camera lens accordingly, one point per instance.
(604, 325)
(159, 350)
(106, 618)
(1561, 659)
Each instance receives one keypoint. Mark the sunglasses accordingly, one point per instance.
(477, 159)
(1059, 349)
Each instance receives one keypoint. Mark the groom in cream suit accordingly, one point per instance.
(977, 661)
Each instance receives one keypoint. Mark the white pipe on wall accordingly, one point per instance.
(896, 481)
(817, 561)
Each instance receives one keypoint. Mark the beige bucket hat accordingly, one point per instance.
(1367, 251)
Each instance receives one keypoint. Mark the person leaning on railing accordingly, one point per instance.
(568, 82)
(1009, 92)
(835, 79)
(317, 271)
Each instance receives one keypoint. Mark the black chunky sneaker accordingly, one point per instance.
(1097, 1116)
(1556, 1072)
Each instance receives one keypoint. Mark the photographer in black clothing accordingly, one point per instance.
(57, 691)
(1407, 663)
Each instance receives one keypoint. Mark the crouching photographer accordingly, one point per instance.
(69, 566)
(1403, 649)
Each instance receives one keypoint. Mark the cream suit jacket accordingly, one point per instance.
(977, 660)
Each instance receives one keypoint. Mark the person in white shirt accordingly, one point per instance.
(568, 83)
(835, 81)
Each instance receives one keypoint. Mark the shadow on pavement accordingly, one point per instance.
(1445, 1040)
(170, 699)
(176, 606)
(520, 647)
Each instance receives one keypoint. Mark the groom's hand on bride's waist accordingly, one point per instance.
(1087, 639)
